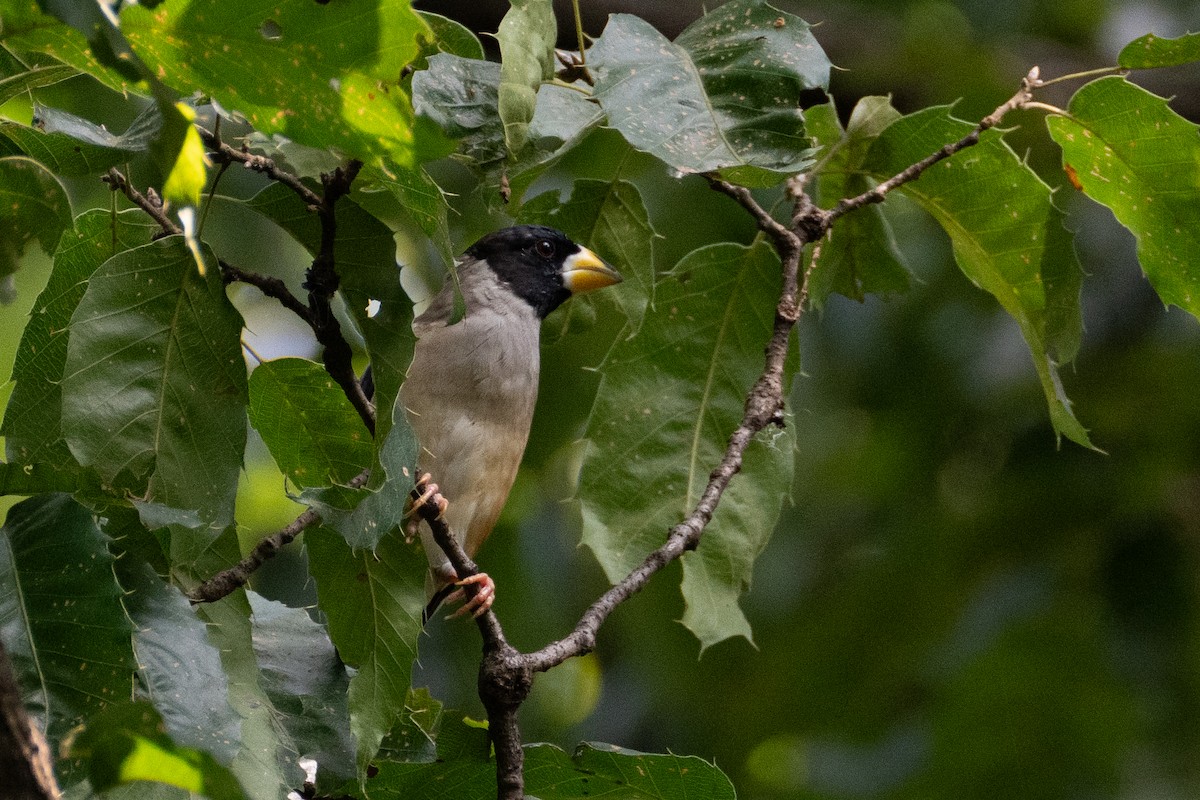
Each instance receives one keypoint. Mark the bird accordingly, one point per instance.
(470, 389)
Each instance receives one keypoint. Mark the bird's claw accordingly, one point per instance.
(478, 605)
(429, 490)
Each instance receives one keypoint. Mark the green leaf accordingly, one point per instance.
(464, 768)
(1146, 52)
(614, 772)
(462, 96)
(35, 208)
(179, 154)
(307, 683)
(266, 762)
(526, 35)
(35, 78)
(668, 401)
(611, 219)
(125, 743)
(1132, 153)
(424, 202)
(563, 118)
(180, 670)
(28, 30)
(365, 256)
(1007, 235)
(61, 618)
(412, 738)
(290, 67)
(860, 256)
(724, 96)
(71, 146)
(312, 431)
(155, 383)
(32, 423)
(450, 36)
(374, 603)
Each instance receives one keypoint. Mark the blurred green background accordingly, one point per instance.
(954, 606)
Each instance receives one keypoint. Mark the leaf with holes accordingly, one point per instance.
(1132, 153)
(289, 66)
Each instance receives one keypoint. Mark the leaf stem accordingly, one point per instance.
(1091, 73)
(579, 33)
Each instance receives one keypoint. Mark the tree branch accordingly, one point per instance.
(764, 407)
(1021, 99)
(226, 581)
(119, 183)
(322, 281)
(225, 153)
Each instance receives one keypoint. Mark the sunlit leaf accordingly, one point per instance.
(1150, 51)
(29, 31)
(373, 602)
(450, 36)
(155, 384)
(125, 743)
(289, 66)
(36, 208)
(1008, 237)
(61, 618)
(526, 35)
(1132, 153)
(668, 401)
(703, 103)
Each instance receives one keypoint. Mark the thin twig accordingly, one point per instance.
(1023, 96)
(119, 182)
(225, 153)
(763, 407)
(235, 577)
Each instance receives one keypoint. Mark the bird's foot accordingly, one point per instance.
(478, 605)
(429, 490)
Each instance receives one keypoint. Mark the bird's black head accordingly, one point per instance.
(541, 265)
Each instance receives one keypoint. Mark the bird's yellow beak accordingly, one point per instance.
(585, 271)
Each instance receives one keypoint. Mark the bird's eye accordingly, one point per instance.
(544, 248)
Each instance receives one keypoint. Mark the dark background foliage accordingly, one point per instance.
(954, 606)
